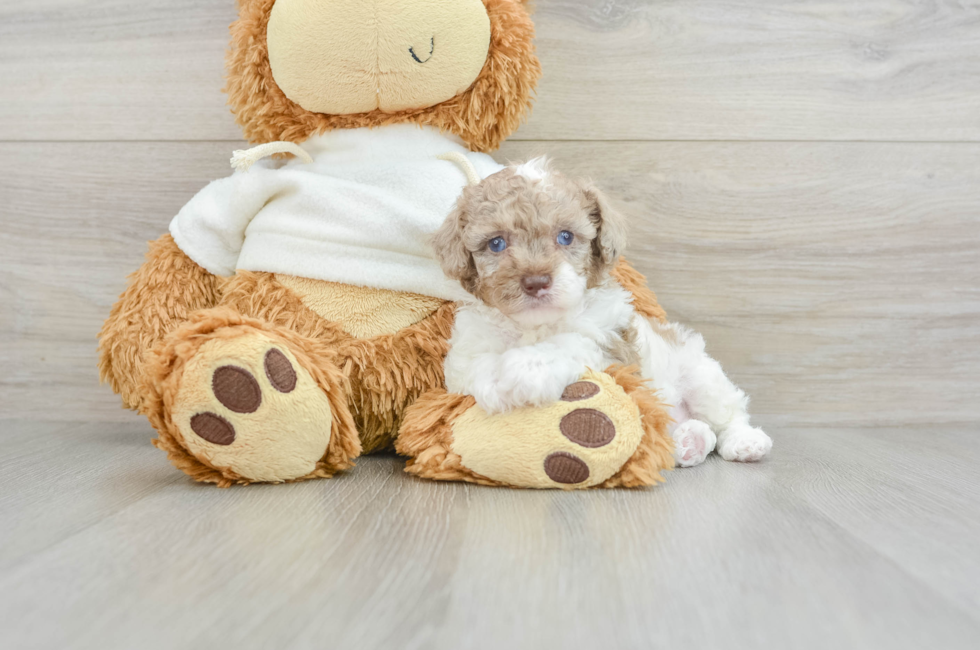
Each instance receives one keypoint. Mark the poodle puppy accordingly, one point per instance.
(534, 251)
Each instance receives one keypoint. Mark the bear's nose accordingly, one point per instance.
(534, 284)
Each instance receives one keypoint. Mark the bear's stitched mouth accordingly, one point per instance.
(432, 48)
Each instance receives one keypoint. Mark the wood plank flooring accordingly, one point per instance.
(817, 547)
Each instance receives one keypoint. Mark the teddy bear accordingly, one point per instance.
(293, 318)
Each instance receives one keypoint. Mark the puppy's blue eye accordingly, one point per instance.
(565, 238)
(498, 244)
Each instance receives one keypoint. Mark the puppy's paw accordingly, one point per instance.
(528, 379)
(491, 397)
(693, 441)
(744, 444)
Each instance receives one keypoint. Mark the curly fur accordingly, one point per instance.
(527, 205)
(483, 116)
(521, 344)
(547, 311)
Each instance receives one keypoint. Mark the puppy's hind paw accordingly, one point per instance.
(693, 441)
(744, 444)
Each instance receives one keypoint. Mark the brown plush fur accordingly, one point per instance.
(388, 373)
(644, 300)
(656, 450)
(385, 373)
(426, 436)
(163, 293)
(483, 116)
(169, 308)
(165, 367)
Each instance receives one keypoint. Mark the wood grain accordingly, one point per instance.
(104, 545)
(614, 69)
(837, 283)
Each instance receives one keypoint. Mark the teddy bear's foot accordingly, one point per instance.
(243, 403)
(245, 406)
(743, 443)
(693, 441)
(607, 431)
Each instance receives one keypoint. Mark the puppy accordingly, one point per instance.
(535, 251)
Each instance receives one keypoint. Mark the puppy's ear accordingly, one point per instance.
(611, 232)
(450, 249)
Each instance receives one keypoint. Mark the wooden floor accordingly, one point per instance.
(803, 181)
(845, 538)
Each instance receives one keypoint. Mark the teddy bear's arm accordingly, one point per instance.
(161, 294)
(211, 227)
(644, 300)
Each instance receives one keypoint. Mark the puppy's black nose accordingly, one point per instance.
(532, 284)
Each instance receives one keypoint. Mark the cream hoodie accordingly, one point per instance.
(359, 214)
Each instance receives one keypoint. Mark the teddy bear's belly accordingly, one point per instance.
(362, 312)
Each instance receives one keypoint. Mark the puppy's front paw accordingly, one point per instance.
(491, 397)
(528, 379)
(744, 444)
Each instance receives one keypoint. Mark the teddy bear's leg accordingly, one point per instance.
(237, 400)
(608, 430)
(161, 294)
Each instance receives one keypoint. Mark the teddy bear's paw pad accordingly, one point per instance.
(280, 372)
(578, 442)
(565, 468)
(247, 406)
(213, 428)
(693, 441)
(579, 391)
(236, 389)
(744, 444)
(588, 428)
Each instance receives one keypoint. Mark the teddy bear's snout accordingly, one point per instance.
(346, 57)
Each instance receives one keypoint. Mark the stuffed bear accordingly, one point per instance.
(294, 318)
